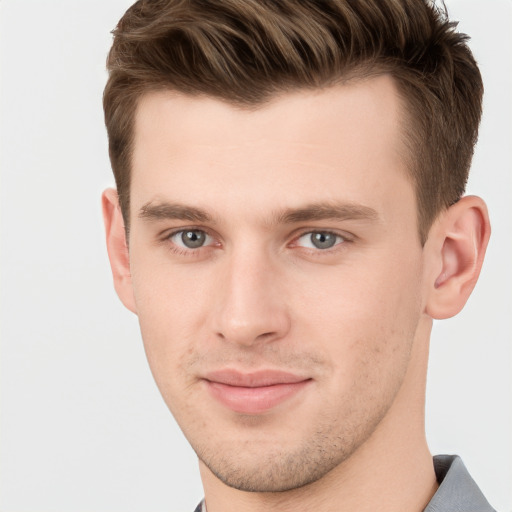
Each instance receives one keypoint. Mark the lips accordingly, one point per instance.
(255, 392)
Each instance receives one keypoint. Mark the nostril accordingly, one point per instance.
(265, 335)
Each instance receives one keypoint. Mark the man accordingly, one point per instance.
(288, 222)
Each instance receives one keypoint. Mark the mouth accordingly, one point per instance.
(255, 392)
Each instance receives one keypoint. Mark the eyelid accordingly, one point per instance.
(169, 232)
(176, 239)
(340, 245)
(167, 236)
(338, 238)
(307, 231)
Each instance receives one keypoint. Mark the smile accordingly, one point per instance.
(254, 393)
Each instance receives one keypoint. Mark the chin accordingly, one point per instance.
(251, 466)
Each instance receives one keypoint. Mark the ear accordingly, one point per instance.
(117, 248)
(456, 247)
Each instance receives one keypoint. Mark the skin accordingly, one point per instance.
(353, 319)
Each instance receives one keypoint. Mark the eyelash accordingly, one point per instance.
(181, 251)
(317, 251)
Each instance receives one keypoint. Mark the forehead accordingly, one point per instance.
(295, 116)
(339, 143)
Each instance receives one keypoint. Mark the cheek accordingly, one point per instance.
(171, 313)
(365, 326)
(364, 316)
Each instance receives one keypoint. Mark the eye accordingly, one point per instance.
(190, 239)
(320, 240)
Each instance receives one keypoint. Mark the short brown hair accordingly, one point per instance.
(246, 51)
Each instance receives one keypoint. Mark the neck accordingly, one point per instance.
(392, 470)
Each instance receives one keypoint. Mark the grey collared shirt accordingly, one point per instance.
(457, 491)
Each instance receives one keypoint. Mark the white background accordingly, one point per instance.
(83, 427)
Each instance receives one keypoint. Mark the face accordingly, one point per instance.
(276, 271)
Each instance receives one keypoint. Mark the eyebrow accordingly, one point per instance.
(311, 212)
(166, 211)
(327, 211)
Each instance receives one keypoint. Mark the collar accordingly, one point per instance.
(457, 491)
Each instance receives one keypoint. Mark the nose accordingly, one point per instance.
(251, 306)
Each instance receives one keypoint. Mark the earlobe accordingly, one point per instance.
(117, 248)
(456, 251)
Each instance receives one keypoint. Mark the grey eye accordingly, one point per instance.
(323, 240)
(320, 240)
(192, 239)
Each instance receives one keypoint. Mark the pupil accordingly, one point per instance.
(193, 239)
(323, 240)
